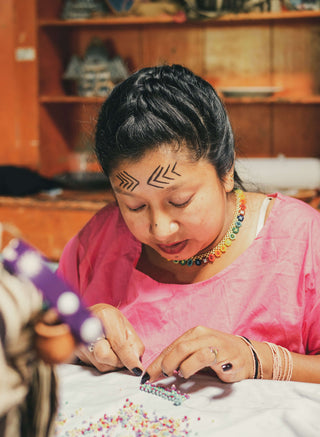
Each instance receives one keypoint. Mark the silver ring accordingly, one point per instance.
(92, 345)
(214, 351)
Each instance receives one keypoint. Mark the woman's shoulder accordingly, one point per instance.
(107, 219)
(290, 206)
(105, 232)
(293, 216)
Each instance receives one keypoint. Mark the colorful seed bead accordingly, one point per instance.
(190, 262)
(211, 257)
(217, 253)
(198, 262)
(223, 248)
(228, 242)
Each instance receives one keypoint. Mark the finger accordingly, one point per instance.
(190, 356)
(103, 354)
(229, 371)
(129, 352)
(122, 337)
(89, 358)
(170, 358)
(204, 357)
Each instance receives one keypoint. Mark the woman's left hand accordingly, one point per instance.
(200, 347)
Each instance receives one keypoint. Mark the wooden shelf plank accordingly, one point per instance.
(165, 19)
(71, 99)
(303, 100)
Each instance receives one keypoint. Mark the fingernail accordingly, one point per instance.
(226, 367)
(137, 371)
(145, 378)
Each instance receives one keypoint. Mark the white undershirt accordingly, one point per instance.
(262, 214)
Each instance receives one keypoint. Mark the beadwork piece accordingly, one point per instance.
(170, 393)
(221, 248)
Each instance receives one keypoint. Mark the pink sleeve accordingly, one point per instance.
(69, 263)
(311, 284)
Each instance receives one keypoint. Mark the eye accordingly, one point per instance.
(180, 204)
(139, 208)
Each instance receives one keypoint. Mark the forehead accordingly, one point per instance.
(164, 156)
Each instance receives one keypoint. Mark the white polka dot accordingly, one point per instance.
(9, 254)
(91, 329)
(68, 303)
(30, 264)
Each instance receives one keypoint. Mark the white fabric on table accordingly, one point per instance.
(248, 408)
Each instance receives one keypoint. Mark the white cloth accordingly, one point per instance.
(249, 408)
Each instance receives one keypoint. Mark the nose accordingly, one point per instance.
(162, 226)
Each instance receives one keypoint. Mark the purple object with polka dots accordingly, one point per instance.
(26, 262)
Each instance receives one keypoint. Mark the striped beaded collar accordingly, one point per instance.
(221, 248)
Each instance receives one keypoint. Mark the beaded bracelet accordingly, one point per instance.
(282, 366)
(255, 357)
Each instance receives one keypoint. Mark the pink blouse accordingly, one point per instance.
(270, 292)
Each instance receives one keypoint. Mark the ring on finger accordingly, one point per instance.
(92, 345)
(214, 351)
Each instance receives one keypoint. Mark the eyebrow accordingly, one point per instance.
(130, 194)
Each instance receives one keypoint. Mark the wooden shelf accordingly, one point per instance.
(303, 100)
(71, 99)
(167, 19)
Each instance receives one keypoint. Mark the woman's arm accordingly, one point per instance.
(233, 358)
(305, 368)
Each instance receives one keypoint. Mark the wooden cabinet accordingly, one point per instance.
(266, 49)
(42, 125)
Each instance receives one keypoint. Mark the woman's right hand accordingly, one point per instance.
(121, 348)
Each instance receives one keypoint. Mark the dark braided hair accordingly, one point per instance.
(164, 105)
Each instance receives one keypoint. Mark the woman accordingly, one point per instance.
(187, 271)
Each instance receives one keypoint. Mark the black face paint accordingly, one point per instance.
(127, 181)
(161, 177)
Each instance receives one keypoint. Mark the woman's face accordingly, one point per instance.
(171, 203)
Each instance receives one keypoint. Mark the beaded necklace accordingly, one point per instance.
(217, 251)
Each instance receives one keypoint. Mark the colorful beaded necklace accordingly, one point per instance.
(217, 251)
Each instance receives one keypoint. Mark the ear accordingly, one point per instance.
(228, 181)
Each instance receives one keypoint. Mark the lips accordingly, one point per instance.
(174, 248)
